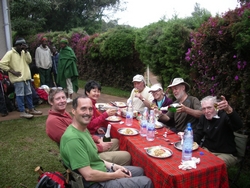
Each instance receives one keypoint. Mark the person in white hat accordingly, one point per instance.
(160, 98)
(140, 95)
(189, 110)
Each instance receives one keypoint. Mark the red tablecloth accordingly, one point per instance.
(211, 172)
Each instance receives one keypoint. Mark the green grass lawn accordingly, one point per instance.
(108, 90)
(25, 145)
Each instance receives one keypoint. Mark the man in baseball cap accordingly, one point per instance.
(189, 110)
(140, 96)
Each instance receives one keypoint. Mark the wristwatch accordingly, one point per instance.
(112, 167)
(143, 99)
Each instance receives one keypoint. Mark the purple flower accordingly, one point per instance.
(187, 58)
(236, 77)
(244, 64)
(212, 78)
(239, 65)
(234, 56)
(220, 32)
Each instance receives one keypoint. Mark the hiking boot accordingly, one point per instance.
(4, 114)
(26, 115)
(69, 100)
(35, 112)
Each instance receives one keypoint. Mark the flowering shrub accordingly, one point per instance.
(219, 59)
(100, 57)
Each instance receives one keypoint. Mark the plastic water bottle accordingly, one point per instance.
(187, 147)
(151, 126)
(129, 114)
(144, 122)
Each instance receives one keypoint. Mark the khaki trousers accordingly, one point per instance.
(114, 156)
(229, 159)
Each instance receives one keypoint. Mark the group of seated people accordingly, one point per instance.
(102, 164)
(215, 130)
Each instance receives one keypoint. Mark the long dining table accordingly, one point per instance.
(210, 172)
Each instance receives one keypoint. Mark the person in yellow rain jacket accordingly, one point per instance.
(16, 62)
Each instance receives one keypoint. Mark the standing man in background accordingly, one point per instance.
(67, 76)
(55, 58)
(16, 62)
(44, 62)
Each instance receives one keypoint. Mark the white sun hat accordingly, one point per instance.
(178, 81)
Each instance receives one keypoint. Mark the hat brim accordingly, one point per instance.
(137, 81)
(187, 86)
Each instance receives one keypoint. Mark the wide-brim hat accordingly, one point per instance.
(155, 87)
(138, 78)
(178, 81)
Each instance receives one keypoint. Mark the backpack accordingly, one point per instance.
(51, 180)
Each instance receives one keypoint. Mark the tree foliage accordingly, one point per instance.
(58, 15)
(199, 15)
(162, 46)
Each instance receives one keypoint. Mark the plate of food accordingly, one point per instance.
(101, 105)
(120, 104)
(113, 118)
(178, 145)
(128, 131)
(159, 152)
(158, 125)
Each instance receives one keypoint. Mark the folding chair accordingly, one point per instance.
(241, 145)
(73, 179)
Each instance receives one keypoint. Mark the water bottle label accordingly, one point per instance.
(151, 128)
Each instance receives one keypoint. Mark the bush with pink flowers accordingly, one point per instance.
(220, 60)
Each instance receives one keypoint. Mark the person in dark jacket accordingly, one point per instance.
(217, 128)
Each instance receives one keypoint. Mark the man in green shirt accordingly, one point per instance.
(79, 152)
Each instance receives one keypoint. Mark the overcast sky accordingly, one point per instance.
(140, 13)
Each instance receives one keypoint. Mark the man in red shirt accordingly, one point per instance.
(59, 119)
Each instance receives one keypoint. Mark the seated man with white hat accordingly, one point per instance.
(189, 110)
(140, 95)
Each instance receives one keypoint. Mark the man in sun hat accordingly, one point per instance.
(189, 110)
(44, 62)
(16, 62)
(140, 95)
(67, 75)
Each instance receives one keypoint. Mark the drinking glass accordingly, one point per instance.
(216, 108)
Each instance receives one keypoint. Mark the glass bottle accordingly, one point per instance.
(107, 137)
